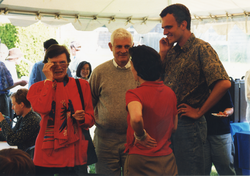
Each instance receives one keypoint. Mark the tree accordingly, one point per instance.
(29, 39)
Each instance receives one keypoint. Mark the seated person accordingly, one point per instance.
(6, 83)
(9, 121)
(84, 70)
(15, 162)
(27, 127)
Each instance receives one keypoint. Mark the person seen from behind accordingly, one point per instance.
(15, 162)
(152, 117)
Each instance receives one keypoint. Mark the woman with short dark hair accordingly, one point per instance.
(152, 117)
(61, 146)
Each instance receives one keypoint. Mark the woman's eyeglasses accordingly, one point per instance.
(62, 65)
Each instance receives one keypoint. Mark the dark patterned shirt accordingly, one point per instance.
(191, 69)
(25, 131)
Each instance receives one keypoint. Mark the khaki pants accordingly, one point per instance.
(147, 165)
(110, 153)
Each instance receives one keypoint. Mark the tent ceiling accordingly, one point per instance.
(90, 14)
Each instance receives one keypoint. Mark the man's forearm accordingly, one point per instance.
(217, 93)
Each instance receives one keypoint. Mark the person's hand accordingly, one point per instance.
(1, 117)
(222, 114)
(79, 115)
(23, 83)
(47, 70)
(148, 142)
(186, 110)
(165, 46)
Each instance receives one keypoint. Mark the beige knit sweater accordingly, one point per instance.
(108, 87)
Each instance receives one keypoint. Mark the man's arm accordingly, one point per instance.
(21, 83)
(217, 93)
(94, 87)
(165, 46)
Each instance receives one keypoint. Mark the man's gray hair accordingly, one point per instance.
(121, 34)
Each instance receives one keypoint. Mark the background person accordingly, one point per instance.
(151, 118)
(61, 147)
(15, 162)
(37, 74)
(24, 133)
(219, 146)
(192, 69)
(109, 83)
(247, 94)
(6, 83)
(14, 58)
(4, 51)
(84, 70)
(76, 56)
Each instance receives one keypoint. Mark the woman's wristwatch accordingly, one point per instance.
(141, 138)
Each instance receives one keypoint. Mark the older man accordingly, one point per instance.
(109, 83)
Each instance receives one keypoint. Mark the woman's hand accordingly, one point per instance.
(79, 115)
(148, 142)
(47, 70)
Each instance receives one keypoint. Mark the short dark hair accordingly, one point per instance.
(56, 50)
(49, 42)
(21, 96)
(15, 162)
(79, 68)
(147, 62)
(180, 12)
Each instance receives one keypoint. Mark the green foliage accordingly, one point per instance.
(30, 40)
(213, 171)
(92, 169)
(31, 43)
(8, 35)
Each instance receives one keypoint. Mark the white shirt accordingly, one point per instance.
(128, 65)
(247, 94)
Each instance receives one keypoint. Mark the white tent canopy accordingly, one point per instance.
(88, 15)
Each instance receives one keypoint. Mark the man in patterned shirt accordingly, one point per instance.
(196, 75)
(27, 127)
